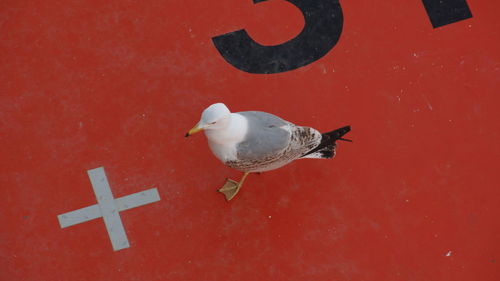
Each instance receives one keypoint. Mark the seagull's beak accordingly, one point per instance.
(194, 130)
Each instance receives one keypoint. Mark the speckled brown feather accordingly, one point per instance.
(301, 140)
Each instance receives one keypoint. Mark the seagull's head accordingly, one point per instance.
(213, 117)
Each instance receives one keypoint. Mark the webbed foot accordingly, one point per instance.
(230, 189)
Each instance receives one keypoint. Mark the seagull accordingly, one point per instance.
(256, 141)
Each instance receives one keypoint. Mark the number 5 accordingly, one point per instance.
(322, 29)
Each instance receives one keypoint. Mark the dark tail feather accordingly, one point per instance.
(338, 134)
(326, 149)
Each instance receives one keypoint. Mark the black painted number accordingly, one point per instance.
(323, 25)
(443, 12)
(322, 29)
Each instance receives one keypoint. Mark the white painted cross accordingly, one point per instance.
(108, 208)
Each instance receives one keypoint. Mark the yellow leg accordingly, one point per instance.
(231, 187)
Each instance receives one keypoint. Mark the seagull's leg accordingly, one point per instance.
(232, 187)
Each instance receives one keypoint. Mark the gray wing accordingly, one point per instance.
(267, 135)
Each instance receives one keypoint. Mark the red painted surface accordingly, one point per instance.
(85, 84)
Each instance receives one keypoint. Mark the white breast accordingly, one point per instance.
(223, 142)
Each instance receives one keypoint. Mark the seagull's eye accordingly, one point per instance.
(213, 123)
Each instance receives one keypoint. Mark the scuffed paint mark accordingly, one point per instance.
(429, 105)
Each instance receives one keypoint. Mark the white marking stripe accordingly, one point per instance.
(110, 214)
(122, 204)
(108, 208)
